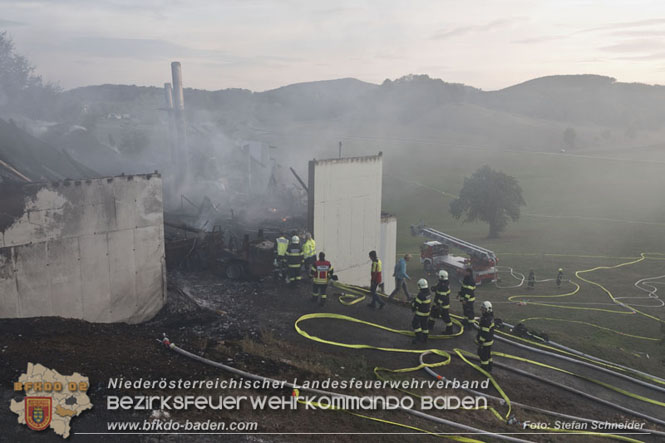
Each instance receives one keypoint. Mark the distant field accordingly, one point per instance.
(581, 213)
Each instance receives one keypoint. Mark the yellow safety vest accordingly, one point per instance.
(376, 266)
(309, 248)
(282, 246)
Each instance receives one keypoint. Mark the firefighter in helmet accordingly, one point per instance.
(294, 260)
(281, 245)
(421, 305)
(485, 338)
(467, 296)
(441, 306)
(321, 273)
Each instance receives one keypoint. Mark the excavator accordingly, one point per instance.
(435, 255)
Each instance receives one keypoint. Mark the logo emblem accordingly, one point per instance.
(38, 412)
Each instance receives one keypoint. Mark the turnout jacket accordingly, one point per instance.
(422, 303)
(467, 291)
(321, 272)
(442, 294)
(486, 330)
(294, 256)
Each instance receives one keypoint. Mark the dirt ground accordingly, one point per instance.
(250, 326)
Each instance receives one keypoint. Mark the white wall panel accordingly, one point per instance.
(90, 249)
(8, 290)
(346, 213)
(388, 250)
(96, 283)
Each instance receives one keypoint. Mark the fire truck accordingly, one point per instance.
(435, 255)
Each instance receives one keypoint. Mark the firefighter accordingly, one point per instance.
(467, 297)
(441, 305)
(375, 280)
(485, 338)
(531, 279)
(559, 277)
(281, 245)
(309, 251)
(321, 273)
(421, 306)
(294, 260)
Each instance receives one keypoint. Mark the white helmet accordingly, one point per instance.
(443, 275)
(486, 306)
(422, 284)
(295, 240)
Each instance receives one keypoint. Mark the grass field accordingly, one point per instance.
(582, 212)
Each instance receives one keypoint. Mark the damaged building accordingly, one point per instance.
(91, 249)
(76, 246)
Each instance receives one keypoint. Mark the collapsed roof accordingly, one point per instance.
(24, 158)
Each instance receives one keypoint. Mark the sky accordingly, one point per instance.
(265, 44)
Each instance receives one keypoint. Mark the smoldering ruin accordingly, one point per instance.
(337, 230)
(210, 204)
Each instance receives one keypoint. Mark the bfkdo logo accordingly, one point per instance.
(38, 412)
(51, 399)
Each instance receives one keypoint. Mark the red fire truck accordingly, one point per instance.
(435, 255)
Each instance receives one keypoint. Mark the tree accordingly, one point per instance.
(490, 196)
(20, 88)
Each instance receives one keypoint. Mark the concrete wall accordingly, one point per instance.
(388, 250)
(345, 213)
(88, 249)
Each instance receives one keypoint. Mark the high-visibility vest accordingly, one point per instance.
(376, 271)
(282, 246)
(309, 248)
(322, 270)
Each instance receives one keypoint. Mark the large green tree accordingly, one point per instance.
(489, 196)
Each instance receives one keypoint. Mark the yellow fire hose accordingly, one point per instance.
(462, 354)
(352, 295)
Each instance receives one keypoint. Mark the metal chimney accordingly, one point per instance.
(178, 98)
(179, 117)
(168, 96)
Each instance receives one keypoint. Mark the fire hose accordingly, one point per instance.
(469, 429)
(434, 374)
(353, 295)
(463, 355)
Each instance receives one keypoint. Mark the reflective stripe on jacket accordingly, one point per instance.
(468, 286)
(486, 330)
(422, 303)
(322, 272)
(294, 257)
(442, 297)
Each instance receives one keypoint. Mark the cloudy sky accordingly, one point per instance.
(263, 44)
